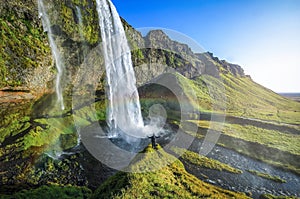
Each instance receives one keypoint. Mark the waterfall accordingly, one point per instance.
(78, 12)
(55, 52)
(81, 25)
(124, 115)
(123, 112)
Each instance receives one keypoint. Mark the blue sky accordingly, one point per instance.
(263, 36)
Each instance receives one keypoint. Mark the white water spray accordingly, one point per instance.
(55, 52)
(124, 112)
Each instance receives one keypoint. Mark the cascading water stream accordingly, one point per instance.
(124, 112)
(81, 32)
(55, 52)
(124, 115)
(78, 12)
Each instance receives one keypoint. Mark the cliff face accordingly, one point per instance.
(25, 58)
(157, 39)
(234, 69)
(199, 63)
(213, 64)
(25, 55)
(162, 54)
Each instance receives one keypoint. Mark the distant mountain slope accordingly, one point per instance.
(243, 98)
(171, 181)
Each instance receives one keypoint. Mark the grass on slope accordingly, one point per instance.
(271, 138)
(240, 96)
(267, 176)
(170, 181)
(271, 146)
(204, 162)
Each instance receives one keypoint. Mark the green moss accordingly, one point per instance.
(69, 23)
(21, 45)
(169, 181)
(241, 97)
(138, 56)
(204, 162)
(280, 140)
(267, 176)
(15, 126)
(197, 89)
(49, 132)
(24, 45)
(50, 192)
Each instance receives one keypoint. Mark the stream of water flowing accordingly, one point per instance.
(55, 52)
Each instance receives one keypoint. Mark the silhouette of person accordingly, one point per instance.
(153, 141)
(112, 122)
(113, 127)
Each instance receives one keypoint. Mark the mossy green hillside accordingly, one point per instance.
(170, 180)
(276, 139)
(240, 96)
(23, 47)
(39, 123)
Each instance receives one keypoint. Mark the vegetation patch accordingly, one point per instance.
(267, 176)
(241, 97)
(280, 140)
(60, 131)
(169, 181)
(279, 156)
(204, 162)
(50, 192)
(22, 47)
(26, 136)
(269, 196)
